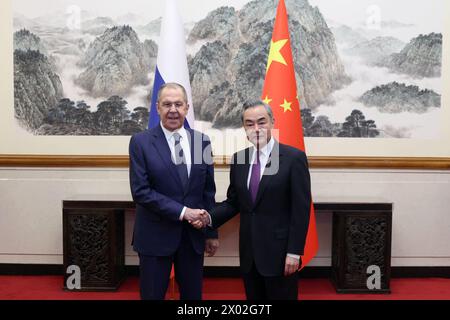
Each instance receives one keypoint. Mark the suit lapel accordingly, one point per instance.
(161, 146)
(243, 167)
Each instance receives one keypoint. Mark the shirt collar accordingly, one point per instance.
(267, 149)
(169, 134)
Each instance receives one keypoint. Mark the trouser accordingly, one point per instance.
(259, 287)
(155, 272)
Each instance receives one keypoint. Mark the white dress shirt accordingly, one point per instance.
(184, 142)
(264, 154)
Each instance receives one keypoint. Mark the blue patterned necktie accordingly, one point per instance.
(255, 177)
(180, 161)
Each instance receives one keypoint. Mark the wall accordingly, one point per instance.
(31, 211)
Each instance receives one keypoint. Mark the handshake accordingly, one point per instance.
(198, 218)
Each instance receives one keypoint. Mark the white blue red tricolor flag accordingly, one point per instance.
(171, 64)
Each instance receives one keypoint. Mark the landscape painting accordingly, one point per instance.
(364, 69)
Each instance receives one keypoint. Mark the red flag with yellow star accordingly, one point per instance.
(280, 92)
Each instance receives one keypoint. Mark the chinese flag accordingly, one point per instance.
(280, 92)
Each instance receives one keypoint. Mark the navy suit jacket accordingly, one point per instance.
(159, 196)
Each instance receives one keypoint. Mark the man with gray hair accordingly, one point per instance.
(172, 183)
(270, 188)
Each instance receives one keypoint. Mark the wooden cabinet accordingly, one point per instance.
(361, 247)
(93, 235)
(93, 239)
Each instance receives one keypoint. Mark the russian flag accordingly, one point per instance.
(171, 64)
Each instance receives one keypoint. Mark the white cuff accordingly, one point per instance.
(182, 213)
(295, 256)
(210, 221)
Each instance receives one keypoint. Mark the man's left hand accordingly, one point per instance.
(211, 247)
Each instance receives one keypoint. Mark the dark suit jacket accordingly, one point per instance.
(159, 195)
(277, 223)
